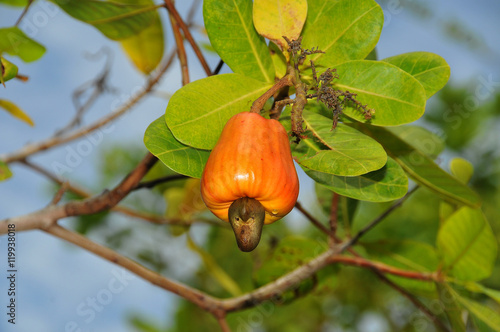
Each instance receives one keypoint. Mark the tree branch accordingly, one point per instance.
(37, 147)
(313, 220)
(173, 11)
(181, 51)
(377, 220)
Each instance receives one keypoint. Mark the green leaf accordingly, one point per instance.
(429, 69)
(215, 270)
(8, 69)
(451, 306)
(344, 29)
(406, 255)
(421, 168)
(478, 288)
(13, 41)
(467, 245)
(145, 49)
(232, 34)
(115, 20)
(275, 19)
(279, 60)
(396, 96)
(461, 169)
(386, 184)
(15, 111)
(480, 311)
(177, 156)
(5, 172)
(197, 113)
(15, 3)
(420, 138)
(346, 151)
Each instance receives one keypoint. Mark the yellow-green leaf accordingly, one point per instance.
(15, 111)
(5, 172)
(114, 19)
(467, 245)
(16, 43)
(278, 18)
(9, 70)
(145, 49)
(461, 169)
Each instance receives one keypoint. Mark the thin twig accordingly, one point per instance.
(218, 68)
(155, 182)
(98, 86)
(439, 324)
(313, 220)
(59, 194)
(334, 213)
(224, 326)
(259, 103)
(173, 11)
(377, 220)
(43, 145)
(181, 51)
(25, 11)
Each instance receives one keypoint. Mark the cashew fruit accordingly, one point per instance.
(249, 179)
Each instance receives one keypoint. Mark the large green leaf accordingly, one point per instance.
(429, 69)
(420, 138)
(5, 172)
(467, 245)
(232, 34)
(197, 113)
(14, 41)
(407, 255)
(16, 3)
(344, 29)
(396, 96)
(145, 49)
(345, 151)
(386, 184)
(115, 20)
(275, 19)
(478, 288)
(421, 168)
(480, 311)
(177, 156)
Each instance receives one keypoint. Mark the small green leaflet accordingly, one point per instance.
(177, 156)
(15, 42)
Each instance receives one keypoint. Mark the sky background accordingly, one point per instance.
(56, 278)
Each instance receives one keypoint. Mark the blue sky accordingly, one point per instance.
(55, 278)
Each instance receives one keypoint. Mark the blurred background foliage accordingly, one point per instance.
(339, 297)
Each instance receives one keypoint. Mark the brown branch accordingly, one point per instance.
(334, 213)
(37, 147)
(25, 11)
(46, 217)
(377, 220)
(181, 51)
(439, 324)
(199, 298)
(313, 220)
(259, 103)
(382, 268)
(224, 326)
(173, 11)
(155, 182)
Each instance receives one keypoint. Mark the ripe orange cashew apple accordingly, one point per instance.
(250, 179)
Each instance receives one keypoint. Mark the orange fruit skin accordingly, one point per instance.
(251, 159)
